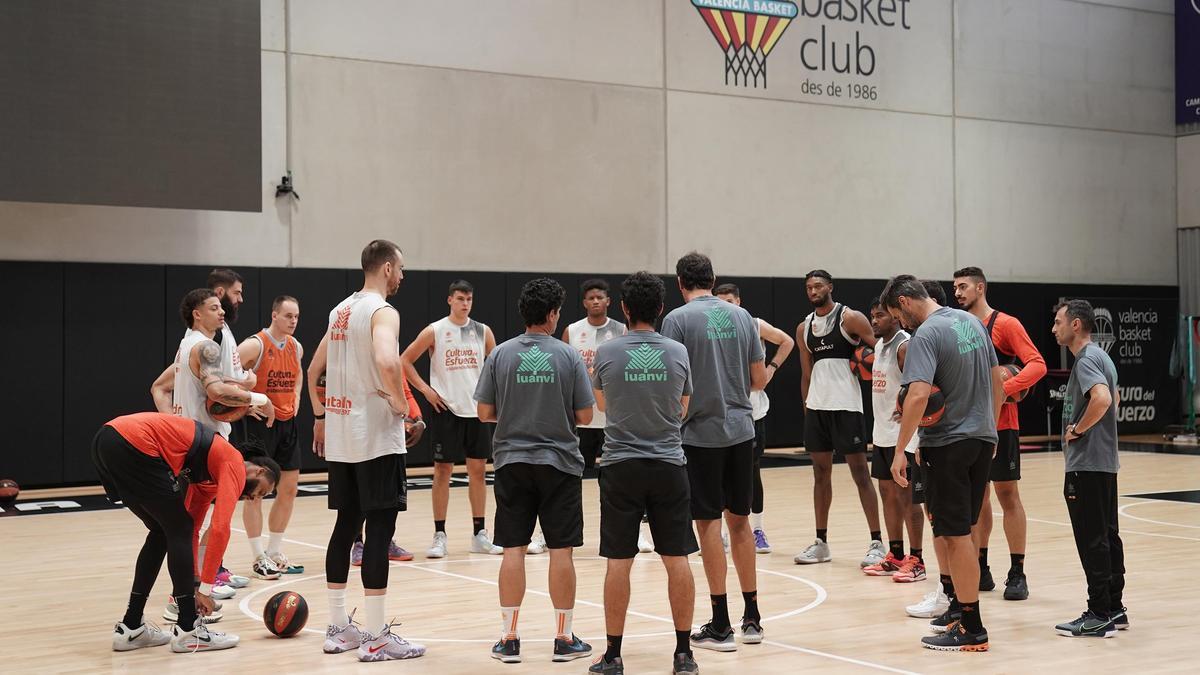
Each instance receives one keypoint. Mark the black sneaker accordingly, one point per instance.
(507, 651)
(957, 639)
(1120, 619)
(1088, 624)
(710, 638)
(685, 665)
(752, 632)
(1016, 587)
(569, 651)
(948, 618)
(614, 667)
(986, 582)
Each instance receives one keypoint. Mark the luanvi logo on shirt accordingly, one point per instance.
(720, 326)
(645, 365)
(969, 339)
(341, 324)
(535, 367)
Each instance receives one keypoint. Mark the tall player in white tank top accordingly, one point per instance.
(457, 346)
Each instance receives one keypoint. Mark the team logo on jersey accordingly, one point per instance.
(969, 339)
(645, 365)
(535, 367)
(720, 325)
(341, 325)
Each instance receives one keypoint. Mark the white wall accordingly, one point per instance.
(1031, 137)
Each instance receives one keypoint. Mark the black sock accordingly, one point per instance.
(948, 586)
(439, 526)
(821, 534)
(137, 607)
(983, 558)
(720, 616)
(897, 548)
(477, 523)
(682, 644)
(1018, 561)
(187, 612)
(614, 648)
(751, 600)
(916, 553)
(970, 617)
(876, 535)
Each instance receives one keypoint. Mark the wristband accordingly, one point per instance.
(206, 589)
(319, 418)
(772, 364)
(257, 399)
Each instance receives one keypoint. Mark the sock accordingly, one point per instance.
(137, 607)
(683, 645)
(510, 615)
(273, 543)
(970, 617)
(948, 586)
(477, 523)
(1018, 561)
(614, 648)
(983, 558)
(256, 547)
(751, 599)
(720, 616)
(876, 535)
(896, 546)
(439, 526)
(375, 622)
(187, 612)
(337, 607)
(562, 623)
(916, 553)
(822, 534)
(756, 521)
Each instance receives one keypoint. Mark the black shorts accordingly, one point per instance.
(956, 479)
(721, 479)
(456, 439)
(881, 463)
(918, 478)
(1007, 463)
(634, 487)
(591, 445)
(834, 430)
(760, 439)
(528, 493)
(280, 441)
(374, 485)
(129, 475)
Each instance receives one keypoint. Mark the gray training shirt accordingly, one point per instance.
(722, 341)
(536, 382)
(952, 351)
(1097, 449)
(643, 375)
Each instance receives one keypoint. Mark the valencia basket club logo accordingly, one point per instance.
(747, 31)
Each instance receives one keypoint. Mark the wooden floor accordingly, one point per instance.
(66, 580)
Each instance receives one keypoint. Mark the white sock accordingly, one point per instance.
(375, 621)
(273, 544)
(337, 607)
(510, 615)
(756, 521)
(562, 622)
(256, 547)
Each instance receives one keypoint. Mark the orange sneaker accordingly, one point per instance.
(885, 568)
(911, 569)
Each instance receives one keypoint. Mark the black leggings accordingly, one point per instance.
(760, 444)
(170, 536)
(380, 526)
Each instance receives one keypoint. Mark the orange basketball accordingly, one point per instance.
(1008, 372)
(285, 614)
(9, 491)
(321, 388)
(862, 361)
(226, 413)
(935, 407)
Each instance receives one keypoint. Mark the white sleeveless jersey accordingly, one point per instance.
(885, 387)
(456, 362)
(189, 398)
(231, 362)
(832, 385)
(359, 423)
(585, 338)
(759, 403)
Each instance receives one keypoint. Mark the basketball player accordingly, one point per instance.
(726, 356)
(949, 347)
(364, 447)
(141, 459)
(833, 411)
(274, 355)
(457, 346)
(536, 389)
(1090, 448)
(890, 348)
(586, 335)
(760, 404)
(643, 381)
(1012, 345)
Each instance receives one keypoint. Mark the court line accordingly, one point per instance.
(1121, 510)
(1123, 530)
(846, 659)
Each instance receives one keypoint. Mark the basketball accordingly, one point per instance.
(935, 407)
(862, 361)
(1010, 371)
(9, 491)
(285, 614)
(321, 388)
(226, 413)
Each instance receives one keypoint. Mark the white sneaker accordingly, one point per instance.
(645, 542)
(817, 552)
(171, 613)
(126, 639)
(438, 548)
(342, 639)
(875, 554)
(387, 647)
(223, 592)
(284, 565)
(934, 604)
(200, 639)
(537, 544)
(482, 543)
(265, 568)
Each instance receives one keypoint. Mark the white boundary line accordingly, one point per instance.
(1122, 510)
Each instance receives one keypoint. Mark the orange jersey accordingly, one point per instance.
(1010, 339)
(278, 371)
(158, 435)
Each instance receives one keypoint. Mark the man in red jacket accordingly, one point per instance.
(146, 461)
(1012, 345)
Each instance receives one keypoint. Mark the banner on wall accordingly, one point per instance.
(1187, 61)
(1138, 334)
